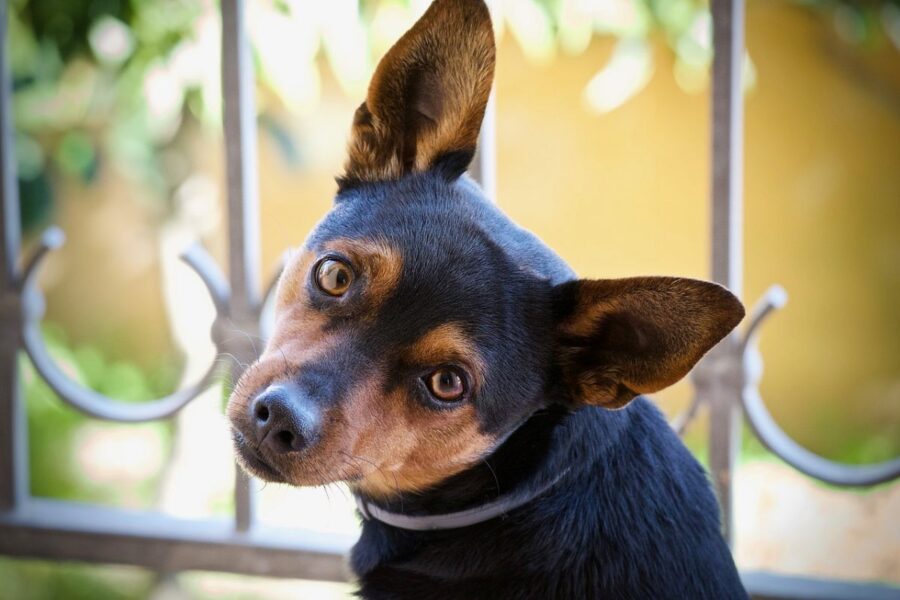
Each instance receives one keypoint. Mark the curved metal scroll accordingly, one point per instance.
(770, 433)
(86, 400)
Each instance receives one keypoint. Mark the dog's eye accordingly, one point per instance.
(334, 276)
(446, 384)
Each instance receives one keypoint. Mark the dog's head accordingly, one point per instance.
(418, 326)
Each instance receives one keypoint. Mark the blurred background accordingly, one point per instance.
(603, 137)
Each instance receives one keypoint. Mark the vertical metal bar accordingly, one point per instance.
(727, 222)
(240, 153)
(243, 211)
(13, 432)
(9, 248)
(484, 165)
(727, 141)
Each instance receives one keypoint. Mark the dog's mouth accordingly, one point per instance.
(251, 460)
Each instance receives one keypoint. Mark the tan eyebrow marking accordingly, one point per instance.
(448, 342)
(291, 284)
(380, 262)
(374, 259)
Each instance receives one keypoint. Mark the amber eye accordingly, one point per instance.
(334, 276)
(446, 384)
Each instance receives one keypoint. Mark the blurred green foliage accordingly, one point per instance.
(54, 427)
(40, 580)
(79, 70)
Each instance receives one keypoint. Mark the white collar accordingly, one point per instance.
(463, 518)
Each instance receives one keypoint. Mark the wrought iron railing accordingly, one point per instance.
(725, 381)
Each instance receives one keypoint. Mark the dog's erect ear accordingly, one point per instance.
(427, 97)
(617, 338)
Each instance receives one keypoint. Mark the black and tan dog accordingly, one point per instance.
(480, 400)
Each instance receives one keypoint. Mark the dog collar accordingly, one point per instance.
(454, 520)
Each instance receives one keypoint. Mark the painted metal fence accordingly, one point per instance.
(725, 381)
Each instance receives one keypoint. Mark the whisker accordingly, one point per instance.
(242, 333)
(287, 366)
(247, 335)
(491, 469)
(342, 490)
(324, 486)
(226, 355)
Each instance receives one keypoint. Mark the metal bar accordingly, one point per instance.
(771, 586)
(10, 240)
(245, 500)
(484, 165)
(13, 426)
(241, 162)
(727, 207)
(53, 530)
(56, 530)
(243, 214)
(727, 144)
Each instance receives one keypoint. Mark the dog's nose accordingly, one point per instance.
(284, 420)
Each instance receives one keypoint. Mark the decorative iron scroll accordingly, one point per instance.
(771, 434)
(93, 403)
(740, 365)
(86, 400)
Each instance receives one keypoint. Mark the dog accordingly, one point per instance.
(483, 403)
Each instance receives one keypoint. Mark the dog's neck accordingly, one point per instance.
(530, 462)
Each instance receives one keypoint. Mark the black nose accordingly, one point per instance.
(284, 420)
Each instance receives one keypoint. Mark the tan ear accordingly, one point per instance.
(618, 338)
(427, 97)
